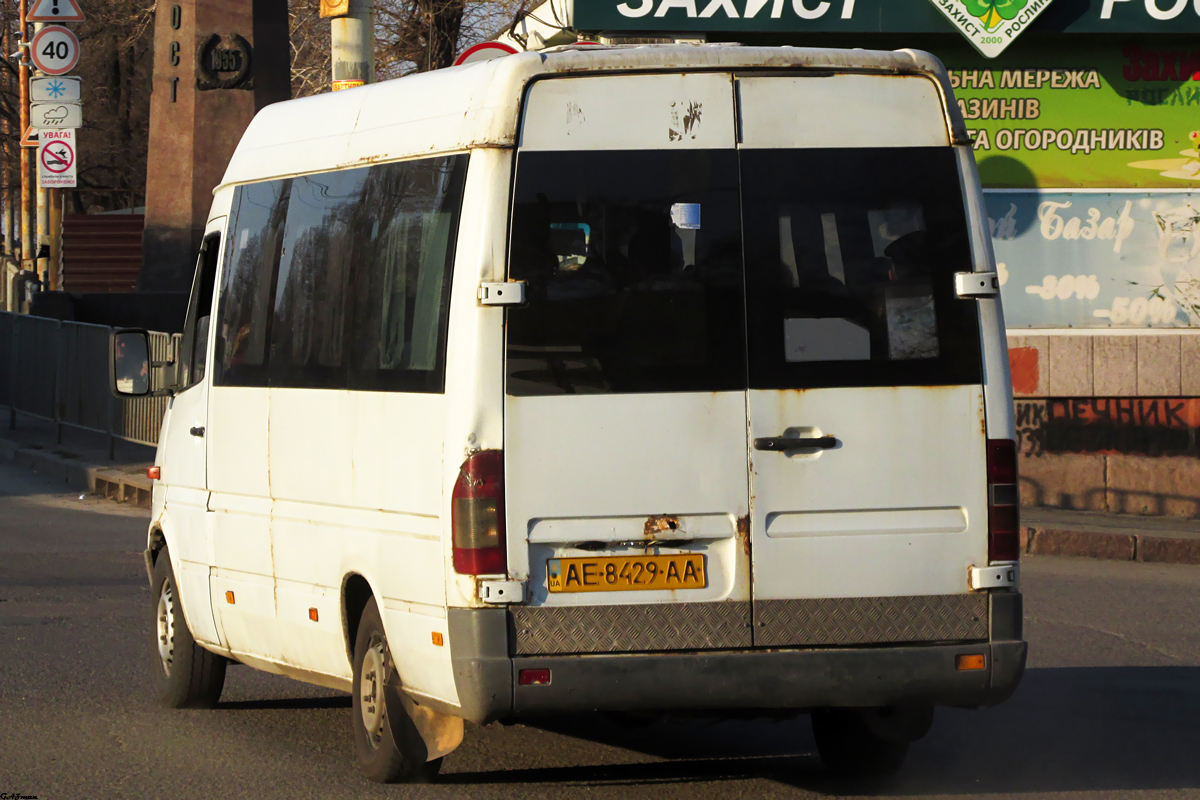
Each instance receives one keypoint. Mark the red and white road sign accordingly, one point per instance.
(55, 50)
(30, 139)
(484, 51)
(55, 11)
(56, 159)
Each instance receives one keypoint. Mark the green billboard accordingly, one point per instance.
(1120, 115)
(884, 16)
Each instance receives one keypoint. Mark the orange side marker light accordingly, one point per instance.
(437, 639)
(154, 473)
(229, 598)
(312, 614)
(964, 663)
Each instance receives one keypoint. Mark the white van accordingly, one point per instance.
(635, 379)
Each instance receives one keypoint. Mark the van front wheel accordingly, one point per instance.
(848, 745)
(186, 675)
(389, 748)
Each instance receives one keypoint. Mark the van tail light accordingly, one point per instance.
(1003, 519)
(477, 515)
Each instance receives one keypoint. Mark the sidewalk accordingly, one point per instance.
(81, 462)
(1115, 537)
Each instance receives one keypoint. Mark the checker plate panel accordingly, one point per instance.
(547, 630)
(870, 620)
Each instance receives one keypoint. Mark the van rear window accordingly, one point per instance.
(644, 275)
(850, 262)
(634, 271)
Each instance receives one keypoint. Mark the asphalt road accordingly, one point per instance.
(1110, 706)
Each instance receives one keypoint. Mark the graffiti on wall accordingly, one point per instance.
(1151, 426)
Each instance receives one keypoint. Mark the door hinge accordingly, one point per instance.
(997, 576)
(507, 293)
(976, 284)
(496, 592)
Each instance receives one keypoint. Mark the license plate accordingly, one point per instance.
(626, 573)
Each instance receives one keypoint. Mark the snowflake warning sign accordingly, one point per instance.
(56, 159)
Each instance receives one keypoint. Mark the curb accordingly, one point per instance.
(137, 489)
(78, 475)
(1110, 546)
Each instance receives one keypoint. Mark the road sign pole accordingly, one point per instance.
(56, 225)
(43, 223)
(27, 251)
(352, 41)
(6, 46)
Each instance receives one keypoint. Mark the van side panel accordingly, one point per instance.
(241, 520)
(475, 343)
(355, 481)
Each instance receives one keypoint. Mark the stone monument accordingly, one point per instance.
(216, 63)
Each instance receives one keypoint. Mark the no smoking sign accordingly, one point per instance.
(56, 159)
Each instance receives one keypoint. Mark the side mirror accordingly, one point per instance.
(129, 368)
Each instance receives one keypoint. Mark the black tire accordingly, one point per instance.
(388, 746)
(847, 745)
(185, 674)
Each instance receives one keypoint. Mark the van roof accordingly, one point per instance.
(478, 105)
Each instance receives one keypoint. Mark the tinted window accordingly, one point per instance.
(345, 275)
(308, 348)
(850, 262)
(195, 336)
(248, 285)
(363, 289)
(633, 264)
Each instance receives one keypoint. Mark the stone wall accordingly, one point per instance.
(1109, 422)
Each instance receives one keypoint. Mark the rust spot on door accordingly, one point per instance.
(657, 524)
(743, 532)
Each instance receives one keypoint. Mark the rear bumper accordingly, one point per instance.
(487, 676)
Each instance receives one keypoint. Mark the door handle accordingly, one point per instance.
(779, 444)
(198, 431)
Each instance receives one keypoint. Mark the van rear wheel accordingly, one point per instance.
(848, 745)
(388, 746)
(186, 675)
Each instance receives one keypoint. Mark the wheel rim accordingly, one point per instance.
(166, 627)
(370, 689)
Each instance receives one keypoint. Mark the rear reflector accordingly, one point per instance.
(1003, 518)
(534, 677)
(154, 473)
(477, 516)
(966, 663)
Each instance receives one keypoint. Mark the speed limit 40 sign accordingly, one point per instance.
(55, 50)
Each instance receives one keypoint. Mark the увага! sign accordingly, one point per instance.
(991, 25)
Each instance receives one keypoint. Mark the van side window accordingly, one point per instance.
(363, 287)
(200, 311)
(248, 285)
(850, 262)
(634, 270)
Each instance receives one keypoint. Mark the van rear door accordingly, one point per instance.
(625, 412)
(866, 415)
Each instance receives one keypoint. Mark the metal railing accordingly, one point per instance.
(58, 371)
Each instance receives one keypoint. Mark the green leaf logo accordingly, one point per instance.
(993, 13)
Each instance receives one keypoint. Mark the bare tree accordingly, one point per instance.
(116, 64)
(410, 36)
